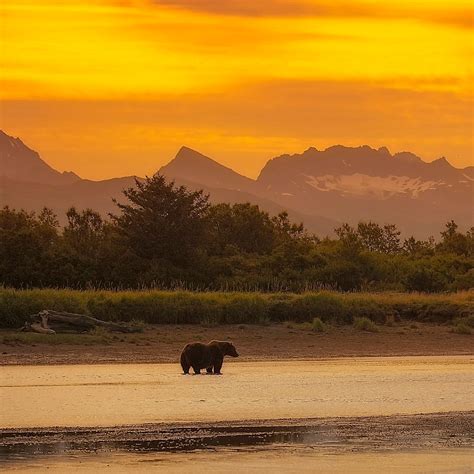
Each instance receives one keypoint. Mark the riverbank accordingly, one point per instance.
(163, 343)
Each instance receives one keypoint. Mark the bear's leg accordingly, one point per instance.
(197, 370)
(185, 364)
(209, 370)
(218, 365)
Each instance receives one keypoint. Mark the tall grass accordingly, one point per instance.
(186, 307)
(365, 324)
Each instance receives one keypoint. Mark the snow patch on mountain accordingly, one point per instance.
(382, 187)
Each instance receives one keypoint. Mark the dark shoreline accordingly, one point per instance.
(163, 344)
(342, 434)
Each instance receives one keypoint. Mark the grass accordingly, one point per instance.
(214, 308)
(365, 324)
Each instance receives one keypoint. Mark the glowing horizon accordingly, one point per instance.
(108, 88)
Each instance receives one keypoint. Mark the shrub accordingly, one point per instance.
(424, 278)
(464, 281)
(263, 320)
(331, 306)
(470, 321)
(365, 324)
(318, 326)
(462, 328)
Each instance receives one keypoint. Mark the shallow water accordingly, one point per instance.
(106, 395)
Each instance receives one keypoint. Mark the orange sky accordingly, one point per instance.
(108, 88)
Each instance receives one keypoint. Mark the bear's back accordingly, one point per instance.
(197, 352)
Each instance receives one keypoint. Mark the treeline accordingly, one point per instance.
(167, 236)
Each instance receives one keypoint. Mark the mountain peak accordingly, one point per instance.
(10, 140)
(21, 163)
(384, 151)
(190, 165)
(408, 157)
(187, 152)
(352, 150)
(442, 162)
(187, 157)
(336, 148)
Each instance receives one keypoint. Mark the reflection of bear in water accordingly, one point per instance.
(206, 356)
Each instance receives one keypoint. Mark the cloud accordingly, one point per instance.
(244, 127)
(458, 15)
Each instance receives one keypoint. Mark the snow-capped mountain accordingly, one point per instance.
(320, 188)
(364, 183)
(362, 171)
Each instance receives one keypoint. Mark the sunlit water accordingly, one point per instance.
(105, 395)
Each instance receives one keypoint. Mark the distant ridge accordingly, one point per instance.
(321, 188)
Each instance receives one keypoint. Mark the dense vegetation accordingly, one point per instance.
(165, 236)
(210, 308)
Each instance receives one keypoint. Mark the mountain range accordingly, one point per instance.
(321, 188)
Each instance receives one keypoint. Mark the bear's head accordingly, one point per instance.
(227, 348)
(230, 350)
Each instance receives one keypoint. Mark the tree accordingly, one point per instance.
(454, 241)
(84, 230)
(287, 229)
(163, 221)
(350, 244)
(27, 242)
(81, 255)
(243, 226)
(375, 238)
(414, 247)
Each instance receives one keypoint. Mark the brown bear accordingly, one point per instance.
(206, 356)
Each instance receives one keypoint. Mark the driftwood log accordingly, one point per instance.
(51, 322)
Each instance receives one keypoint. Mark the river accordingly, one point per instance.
(269, 413)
